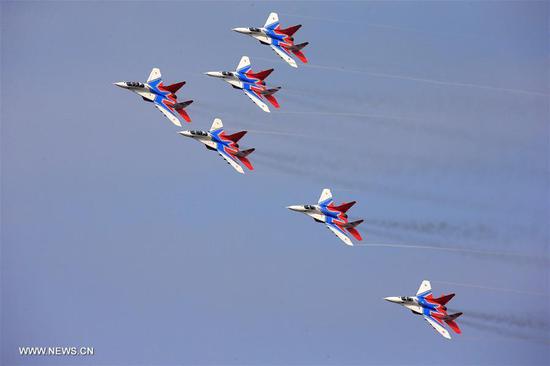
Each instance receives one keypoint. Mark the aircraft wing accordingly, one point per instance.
(229, 159)
(154, 75)
(437, 326)
(325, 198)
(339, 233)
(284, 55)
(272, 21)
(161, 107)
(425, 288)
(244, 64)
(252, 95)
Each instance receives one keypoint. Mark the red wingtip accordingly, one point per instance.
(353, 231)
(344, 207)
(301, 56)
(246, 162)
(236, 136)
(454, 326)
(272, 100)
(174, 87)
(184, 114)
(262, 74)
(290, 30)
(444, 299)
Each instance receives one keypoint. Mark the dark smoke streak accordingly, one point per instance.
(505, 332)
(538, 322)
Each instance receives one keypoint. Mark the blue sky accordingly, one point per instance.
(117, 233)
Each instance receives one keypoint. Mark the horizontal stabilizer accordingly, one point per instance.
(180, 108)
(353, 231)
(344, 207)
(452, 316)
(353, 224)
(174, 87)
(182, 105)
(244, 153)
(184, 115)
(262, 75)
(296, 50)
(290, 30)
(242, 156)
(270, 91)
(271, 99)
(298, 47)
(444, 299)
(236, 136)
(452, 324)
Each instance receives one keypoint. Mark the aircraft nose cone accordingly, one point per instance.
(242, 30)
(215, 74)
(393, 299)
(296, 208)
(121, 84)
(185, 133)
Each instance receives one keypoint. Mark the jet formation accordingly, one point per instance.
(334, 217)
(254, 86)
(432, 309)
(251, 83)
(280, 40)
(226, 145)
(163, 96)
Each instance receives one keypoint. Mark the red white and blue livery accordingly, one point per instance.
(226, 145)
(333, 216)
(162, 96)
(250, 82)
(432, 309)
(279, 39)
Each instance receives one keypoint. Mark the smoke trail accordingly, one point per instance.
(481, 287)
(516, 258)
(350, 114)
(542, 261)
(536, 322)
(449, 249)
(505, 332)
(438, 228)
(421, 80)
(371, 24)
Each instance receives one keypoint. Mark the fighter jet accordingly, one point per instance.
(334, 217)
(433, 310)
(226, 145)
(251, 83)
(163, 96)
(280, 40)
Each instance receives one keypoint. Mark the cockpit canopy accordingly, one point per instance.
(135, 84)
(226, 73)
(309, 207)
(199, 133)
(253, 29)
(406, 298)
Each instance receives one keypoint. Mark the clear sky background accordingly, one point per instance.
(120, 234)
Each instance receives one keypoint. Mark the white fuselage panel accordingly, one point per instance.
(262, 38)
